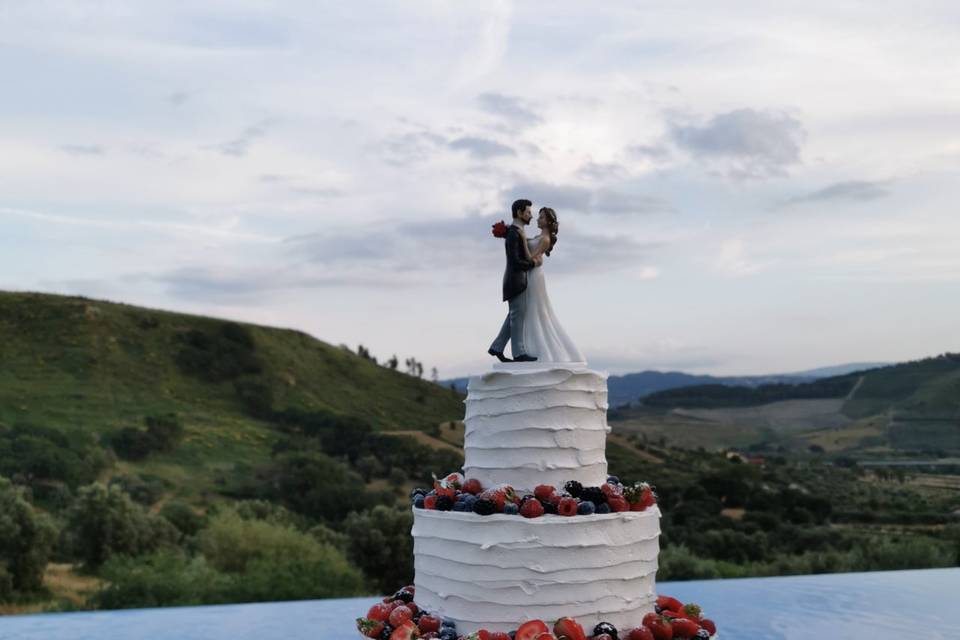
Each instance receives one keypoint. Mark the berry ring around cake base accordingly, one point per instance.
(498, 571)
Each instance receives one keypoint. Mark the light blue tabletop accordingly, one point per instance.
(885, 604)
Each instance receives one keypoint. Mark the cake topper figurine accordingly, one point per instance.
(531, 326)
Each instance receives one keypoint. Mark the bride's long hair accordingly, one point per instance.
(552, 226)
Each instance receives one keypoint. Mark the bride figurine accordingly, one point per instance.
(543, 336)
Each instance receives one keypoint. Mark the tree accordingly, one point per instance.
(26, 540)
(393, 362)
(380, 543)
(434, 375)
(104, 521)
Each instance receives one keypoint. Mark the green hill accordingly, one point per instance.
(912, 406)
(72, 363)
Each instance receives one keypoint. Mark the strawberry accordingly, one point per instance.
(429, 623)
(472, 486)
(542, 492)
(684, 628)
(370, 628)
(567, 507)
(400, 615)
(499, 635)
(531, 509)
(709, 625)
(454, 480)
(692, 612)
(640, 633)
(618, 503)
(659, 626)
(430, 502)
(406, 631)
(611, 489)
(530, 630)
(646, 500)
(380, 612)
(569, 629)
(672, 604)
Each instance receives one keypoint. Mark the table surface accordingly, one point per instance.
(883, 604)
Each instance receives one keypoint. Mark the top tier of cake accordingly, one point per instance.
(530, 424)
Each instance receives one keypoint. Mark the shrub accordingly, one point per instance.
(104, 521)
(380, 543)
(26, 540)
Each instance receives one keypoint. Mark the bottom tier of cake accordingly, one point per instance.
(496, 572)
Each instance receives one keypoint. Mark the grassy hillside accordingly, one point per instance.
(75, 363)
(913, 406)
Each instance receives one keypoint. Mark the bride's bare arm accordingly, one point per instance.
(541, 248)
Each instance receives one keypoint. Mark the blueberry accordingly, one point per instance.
(447, 633)
(418, 502)
(404, 595)
(459, 506)
(447, 622)
(469, 501)
(603, 508)
(613, 480)
(511, 509)
(586, 508)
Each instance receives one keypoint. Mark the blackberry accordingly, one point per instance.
(573, 488)
(419, 491)
(549, 507)
(484, 507)
(447, 633)
(594, 495)
(702, 634)
(657, 609)
(444, 503)
(404, 594)
(387, 632)
(607, 628)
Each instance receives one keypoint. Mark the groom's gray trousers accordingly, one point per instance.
(512, 328)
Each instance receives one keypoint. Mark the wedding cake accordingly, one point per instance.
(534, 532)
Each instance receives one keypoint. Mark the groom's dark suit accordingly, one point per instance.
(515, 275)
(514, 283)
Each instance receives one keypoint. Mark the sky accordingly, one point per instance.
(758, 188)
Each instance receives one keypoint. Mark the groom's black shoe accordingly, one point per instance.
(524, 358)
(499, 355)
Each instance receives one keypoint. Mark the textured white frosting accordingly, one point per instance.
(529, 425)
(496, 572)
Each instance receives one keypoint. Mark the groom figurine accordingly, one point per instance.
(515, 283)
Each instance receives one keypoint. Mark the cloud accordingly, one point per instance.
(82, 149)
(570, 197)
(550, 195)
(846, 191)
(648, 152)
(510, 108)
(241, 144)
(411, 148)
(481, 148)
(602, 170)
(744, 143)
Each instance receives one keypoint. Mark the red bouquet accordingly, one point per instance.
(500, 230)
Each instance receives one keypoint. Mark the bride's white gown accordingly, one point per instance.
(543, 336)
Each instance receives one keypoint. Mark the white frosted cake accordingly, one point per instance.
(530, 425)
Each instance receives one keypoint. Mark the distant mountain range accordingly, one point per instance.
(631, 387)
